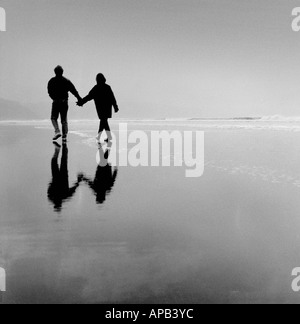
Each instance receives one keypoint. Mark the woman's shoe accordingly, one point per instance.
(57, 136)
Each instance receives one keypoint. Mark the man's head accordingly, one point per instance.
(59, 71)
(101, 79)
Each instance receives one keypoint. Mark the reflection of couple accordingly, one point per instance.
(59, 190)
(102, 94)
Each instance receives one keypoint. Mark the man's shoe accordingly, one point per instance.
(56, 137)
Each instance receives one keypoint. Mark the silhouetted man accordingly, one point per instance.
(104, 99)
(58, 89)
(59, 190)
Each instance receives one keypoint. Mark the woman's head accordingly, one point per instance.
(101, 79)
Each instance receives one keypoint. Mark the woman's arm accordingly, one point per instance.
(86, 99)
(114, 101)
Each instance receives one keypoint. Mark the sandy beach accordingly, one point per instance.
(151, 235)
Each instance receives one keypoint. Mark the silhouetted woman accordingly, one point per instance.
(105, 100)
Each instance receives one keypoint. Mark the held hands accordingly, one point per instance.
(117, 109)
(80, 102)
(80, 177)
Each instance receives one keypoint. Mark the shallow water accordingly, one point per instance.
(149, 235)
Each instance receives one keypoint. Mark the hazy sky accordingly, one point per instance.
(168, 58)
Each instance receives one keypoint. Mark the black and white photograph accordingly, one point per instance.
(149, 154)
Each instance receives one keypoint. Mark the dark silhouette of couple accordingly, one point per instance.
(102, 94)
(59, 190)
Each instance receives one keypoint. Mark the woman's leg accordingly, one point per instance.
(64, 119)
(101, 129)
(108, 131)
(54, 119)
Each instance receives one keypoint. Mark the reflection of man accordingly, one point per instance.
(105, 177)
(59, 191)
(58, 89)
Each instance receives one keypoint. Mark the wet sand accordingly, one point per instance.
(149, 235)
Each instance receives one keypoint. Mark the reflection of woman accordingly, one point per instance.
(105, 177)
(104, 99)
(59, 190)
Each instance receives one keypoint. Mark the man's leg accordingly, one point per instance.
(54, 186)
(54, 163)
(64, 119)
(54, 119)
(64, 173)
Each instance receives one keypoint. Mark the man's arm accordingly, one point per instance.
(74, 91)
(86, 99)
(50, 90)
(73, 190)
